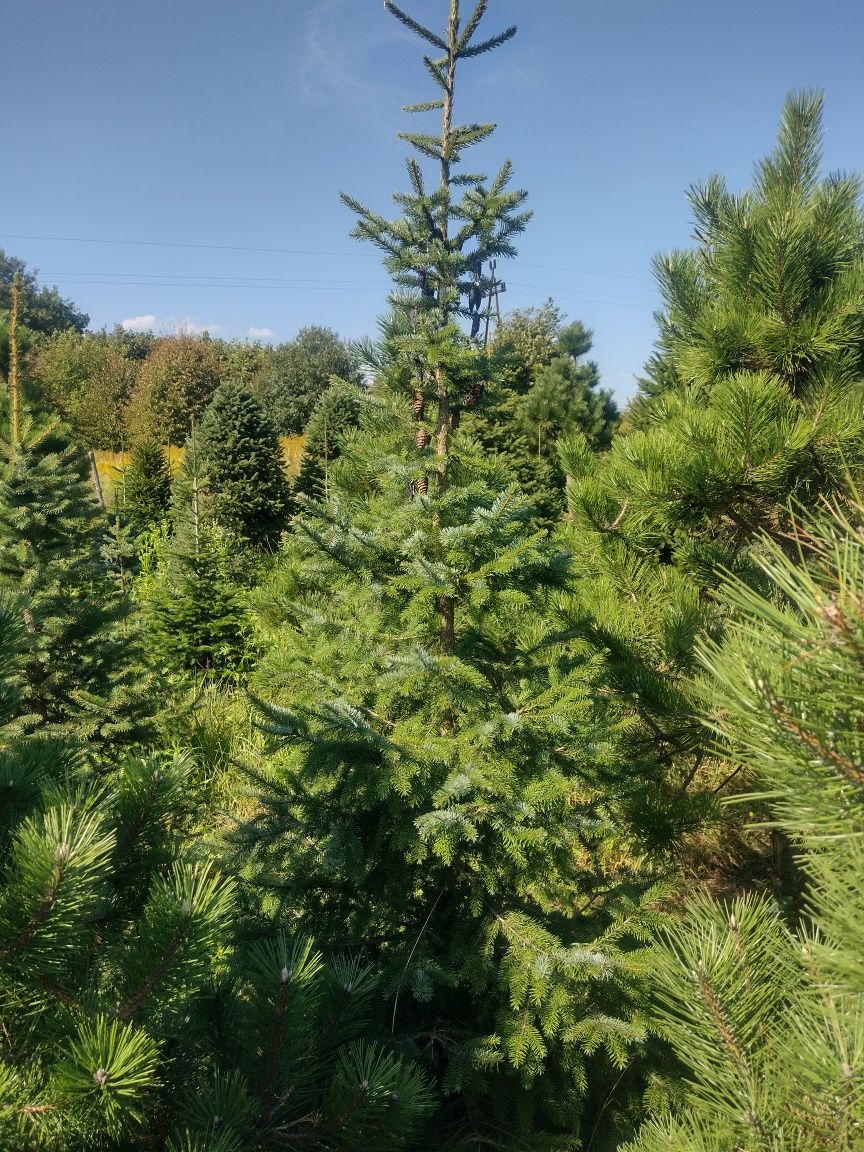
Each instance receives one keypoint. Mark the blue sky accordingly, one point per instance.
(211, 139)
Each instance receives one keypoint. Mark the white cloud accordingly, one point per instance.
(260, 334)
(187, 325)
(190, 327)
(139, 323)
(333, 67)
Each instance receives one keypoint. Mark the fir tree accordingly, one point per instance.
(82, 672)
(238, 453)
(192, 590)
(540, 391)
(147, 486)
(438, 803)
(336, 412)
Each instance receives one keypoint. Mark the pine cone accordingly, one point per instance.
(423, 485)
(418, 405)
(472, 396)
(422, 438)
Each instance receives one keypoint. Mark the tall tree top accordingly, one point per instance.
(436, 250)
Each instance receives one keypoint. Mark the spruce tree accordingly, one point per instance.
(238, 452)
(438, 802)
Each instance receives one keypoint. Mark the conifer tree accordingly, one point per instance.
(540, 391)
(82, 673)
(766, 1015)
(762, 348)
(336, 412)
(236, 448)
(436, 803)
(147, 486)
(137, 1011)
(192, 590)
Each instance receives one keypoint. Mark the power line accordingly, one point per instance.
(178, 244)
(290, 252)
(183, 279)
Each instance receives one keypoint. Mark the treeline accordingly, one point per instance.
(496, 781)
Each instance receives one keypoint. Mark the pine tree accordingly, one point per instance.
(765, 1015)
(762, 332)
(439, 802)
(138, 1009)
(245, 489)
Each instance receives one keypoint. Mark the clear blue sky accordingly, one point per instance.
(224, 131)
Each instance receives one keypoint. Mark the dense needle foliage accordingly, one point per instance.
(493, 780)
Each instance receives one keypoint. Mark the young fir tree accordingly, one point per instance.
(238, 452)
(336, 412)
(147, 486)
(762, 329)
(138, 1009)
(83, 675)
(767, 1017)
(439, 803)
(192, 590)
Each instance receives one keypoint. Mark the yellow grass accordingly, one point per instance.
(110, 465)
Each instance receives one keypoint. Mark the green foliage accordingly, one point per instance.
(774, 284)
(538, 393)
(81, 670)
(709, 468)
(441, 799)
(88, 380)
(299, 373)
(193, 600)
(336, 412)
(175, 384)
(435, 251)
(42, 309)
(245, 490)
(147, 486)
(767, 1018)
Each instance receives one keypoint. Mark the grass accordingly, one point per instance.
(111, 465)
